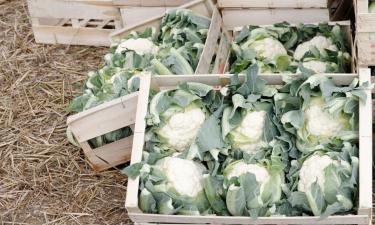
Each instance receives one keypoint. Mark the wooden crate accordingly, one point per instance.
(217, 39)
(272, 4)
(365, 26)
(74, 22)
(345, 24)
(102, 119)
(365, 158)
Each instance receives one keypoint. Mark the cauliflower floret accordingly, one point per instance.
(141, 46)
(184, 175)
(268, 48)
(239, 168)
(317, 66)
(320, 122)
(313, 170)
(319, 42)
(252, 128)
(182, 128)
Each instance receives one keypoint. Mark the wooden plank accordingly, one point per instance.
(132, 15)
(211, 42)
(71, 36)
(93, 2)
(366, 52)
(104, 118)
(361, 6)
(68, 9)
(365, 22)
(222, 53)
(234, 17)
(112, 154)
(365, 145)
(152, 3)
(138, 142)
(156, 218)
(272, 4)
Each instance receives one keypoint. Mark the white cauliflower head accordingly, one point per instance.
(141, 46)
(248, 135)
(182, 127)
(238, 168)
(268, 48)
(185, 176)
(319, 42)
(321, 123)
(317, 66)
(313, 170)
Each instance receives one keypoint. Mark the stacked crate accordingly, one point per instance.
(89, 22)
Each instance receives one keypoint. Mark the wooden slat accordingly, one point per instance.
(153, 3)
(211, 42)
(71, 36)
(234, 17)
(365, 22)
(72, 10)
(222, 53)
(94, 2)
(104, 118)
(112, 154)
(365, 146)
(132, 15)
(273, 3)
(148, 218)
(366, 52)
(139, 134)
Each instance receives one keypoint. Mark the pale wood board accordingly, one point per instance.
(71, 35)
(71, 9)
(158, 82)
(132, 15)
(272, 4)
(152, 3)
(239, 17)
(104, 118)
(365, 146)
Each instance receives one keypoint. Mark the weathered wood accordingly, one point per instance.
(272, 4)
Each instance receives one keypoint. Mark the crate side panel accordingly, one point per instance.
(132, 15)
(71, 36)
(233, 18)
(104, 118)
(273, 4)
(65, 9)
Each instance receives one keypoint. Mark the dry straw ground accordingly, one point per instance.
(44, 179)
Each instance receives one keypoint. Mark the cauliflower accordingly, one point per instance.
(313, 170)
(320, 122)
(141, 46)
(268, 183)
(319, 42)
(247, 136)
(268, 48)
(182, 128)
(185, 176)
(317, 66)
(240, 167)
